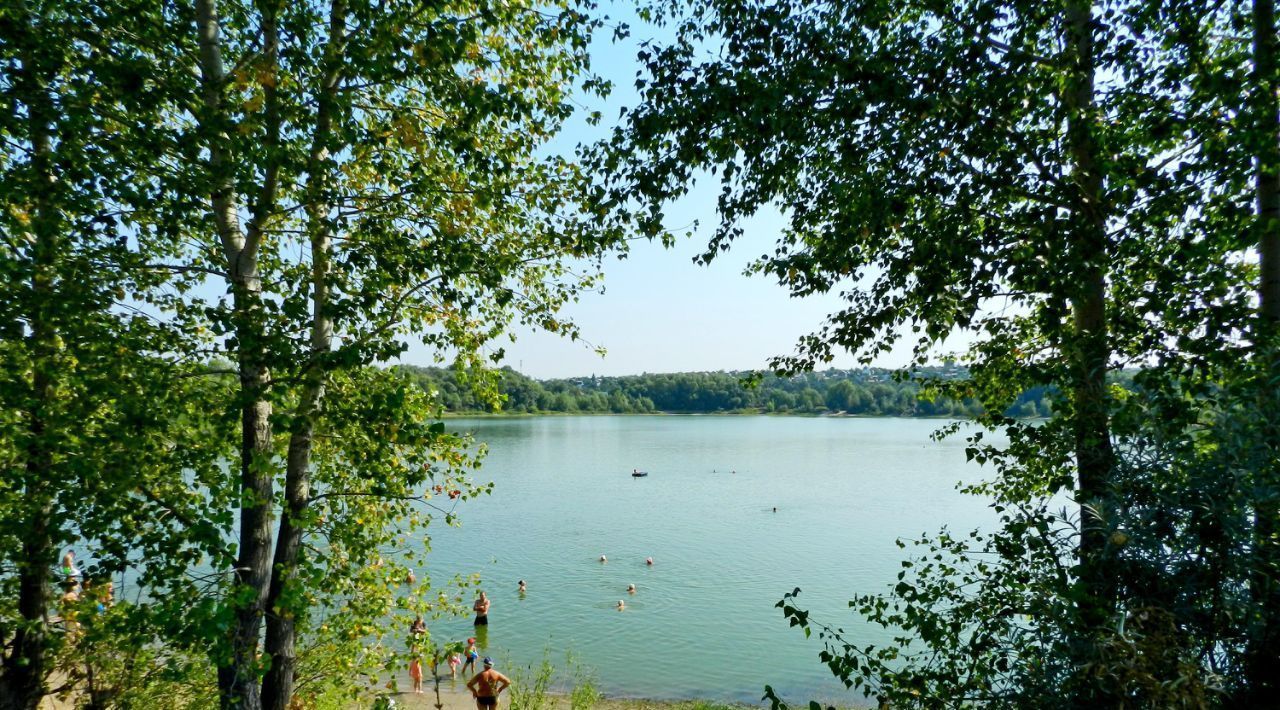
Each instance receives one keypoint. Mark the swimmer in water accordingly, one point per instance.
(603, 558)
(648, 561)
(621, 605)
(631, 589)
(522, 589)
(775, 508)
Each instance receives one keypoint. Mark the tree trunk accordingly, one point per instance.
(281, 639)
(238, 673)
(1262, 663)
(1267, 175)
(238, 679)
(1089, 348)
(25, 666)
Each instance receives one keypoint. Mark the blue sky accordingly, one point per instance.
(660, 312)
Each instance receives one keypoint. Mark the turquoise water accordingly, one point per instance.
(702, 623)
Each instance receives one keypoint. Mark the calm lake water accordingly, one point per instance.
(703, 622)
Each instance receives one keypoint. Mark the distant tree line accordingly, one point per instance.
(868, 391)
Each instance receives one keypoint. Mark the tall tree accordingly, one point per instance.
(1023, 173)
(241, 246)
(398, 148)
(1263, 112)
(93, 391)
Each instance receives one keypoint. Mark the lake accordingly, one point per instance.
(702, 623)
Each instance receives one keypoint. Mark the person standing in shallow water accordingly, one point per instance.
(481, 608)
(472, 655)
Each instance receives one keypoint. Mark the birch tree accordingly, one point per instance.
(397, 148)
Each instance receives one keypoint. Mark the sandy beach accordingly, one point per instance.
(451, 699)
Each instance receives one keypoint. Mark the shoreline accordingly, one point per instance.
(726, 413)
(460, 699)
(455, 696)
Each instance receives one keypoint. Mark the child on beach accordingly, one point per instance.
(472, 655)
(69, 570)
(455, 660)
(415, 672)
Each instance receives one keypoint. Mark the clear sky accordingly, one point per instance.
(660, 312)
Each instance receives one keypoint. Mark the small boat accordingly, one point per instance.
(638, 474)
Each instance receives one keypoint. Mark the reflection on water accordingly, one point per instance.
(702, 622)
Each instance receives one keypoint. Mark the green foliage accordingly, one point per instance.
(531, 685)
(115, 658)
(101, 414)
(583, 693)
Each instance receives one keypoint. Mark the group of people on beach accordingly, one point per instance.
(76, 587)
(486, 685)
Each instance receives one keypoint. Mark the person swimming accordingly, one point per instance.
(621, 605)
(522, 588)
(603, 558)
(648, 561)
(631, 589)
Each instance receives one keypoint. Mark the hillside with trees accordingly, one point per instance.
(866, 392)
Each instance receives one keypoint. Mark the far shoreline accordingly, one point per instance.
(726, 413)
